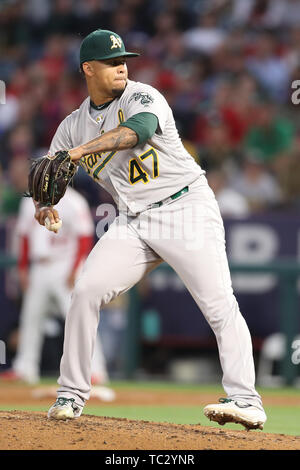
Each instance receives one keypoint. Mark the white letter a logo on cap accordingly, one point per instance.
(116, 42)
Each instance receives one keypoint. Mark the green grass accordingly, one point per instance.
(281, 419)
(173, 386)
(164, 385)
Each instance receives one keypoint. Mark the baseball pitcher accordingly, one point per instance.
(125, 138)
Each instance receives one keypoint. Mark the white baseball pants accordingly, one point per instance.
(188, 234)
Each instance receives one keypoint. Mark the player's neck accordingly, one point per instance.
(98, 99)
(100, 106)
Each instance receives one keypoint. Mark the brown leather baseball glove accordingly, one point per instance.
(49, 177)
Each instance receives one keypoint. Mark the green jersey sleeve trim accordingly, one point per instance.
(143, 124)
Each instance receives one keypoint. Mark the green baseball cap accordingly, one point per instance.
(101, 45)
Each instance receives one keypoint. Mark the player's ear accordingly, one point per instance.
(87, 68)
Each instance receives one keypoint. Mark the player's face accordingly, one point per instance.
(110, 76)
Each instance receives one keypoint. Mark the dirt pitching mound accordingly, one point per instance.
(20, 430)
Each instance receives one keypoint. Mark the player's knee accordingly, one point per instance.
(90, 289)
(83, 288)
(221, 311)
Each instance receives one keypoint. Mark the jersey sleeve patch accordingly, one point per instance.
(143, 97)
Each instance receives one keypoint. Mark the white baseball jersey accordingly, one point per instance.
(61, 247)
(141, 175)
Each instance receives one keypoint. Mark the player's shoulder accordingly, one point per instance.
(144, 92)
(133, 85)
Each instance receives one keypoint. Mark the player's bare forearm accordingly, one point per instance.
(117, 139)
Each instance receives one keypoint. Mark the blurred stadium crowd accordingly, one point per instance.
(225, 67)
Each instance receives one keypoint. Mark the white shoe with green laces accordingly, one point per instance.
(64, 408)
(234, 411)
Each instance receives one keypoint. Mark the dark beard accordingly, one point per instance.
(117, 93)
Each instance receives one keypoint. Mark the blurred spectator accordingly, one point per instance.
(91, 15)
(289, 16)
(290, 182)
(266, 13)
(18, 143)
(271, 71)
(238, 109)
(251, 12)
(231, 202)
(8, 113)
(206, 37)
(62, 20)
(256, 184)
(143, 68)
(13, 187)
(292, 50)
(271, 135)
(183, 14)
(123, 20)
(37, 11)
(165, 25)
(217, 151)
(185, 100)
(19, 84)
(177, 58)
(53, 62)
(233, 104)
(15, 31)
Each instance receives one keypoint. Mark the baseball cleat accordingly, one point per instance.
(64, 408)
(230, 411)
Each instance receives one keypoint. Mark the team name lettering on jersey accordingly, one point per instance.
(116, 42)
(121, 116)
(145, 98)
(88, 162)
(92, 165)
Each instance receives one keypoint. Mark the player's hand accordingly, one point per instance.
(41, 212)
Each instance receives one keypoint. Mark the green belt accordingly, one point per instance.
(174, 196)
